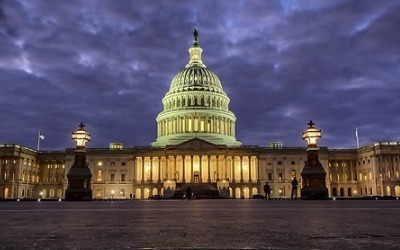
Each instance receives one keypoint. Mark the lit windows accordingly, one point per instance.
(99, 175)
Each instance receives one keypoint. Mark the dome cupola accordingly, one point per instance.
(195, 106)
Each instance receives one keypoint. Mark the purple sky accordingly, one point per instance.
(109, 63)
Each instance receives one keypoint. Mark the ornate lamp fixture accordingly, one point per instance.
(313, 174)
(79, 176)
(311, 135)
(81, 137)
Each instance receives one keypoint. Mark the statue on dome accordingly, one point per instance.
(195, 35)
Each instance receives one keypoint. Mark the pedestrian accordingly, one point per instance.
(267, 190)
(188, 193)
(294, 189)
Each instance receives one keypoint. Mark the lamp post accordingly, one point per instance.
(79, 176)
(313, 174)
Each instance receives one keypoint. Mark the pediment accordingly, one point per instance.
(195, 144)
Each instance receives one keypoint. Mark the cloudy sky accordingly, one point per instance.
(109, 63)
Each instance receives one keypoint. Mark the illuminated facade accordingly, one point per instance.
(196, 146)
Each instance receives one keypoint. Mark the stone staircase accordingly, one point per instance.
(199, 190)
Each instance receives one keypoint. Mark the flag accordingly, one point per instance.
(41, 136)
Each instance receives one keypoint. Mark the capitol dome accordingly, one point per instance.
(195, 106)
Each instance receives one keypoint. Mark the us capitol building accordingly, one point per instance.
(196, 146)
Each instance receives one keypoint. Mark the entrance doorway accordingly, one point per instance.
(196, 177)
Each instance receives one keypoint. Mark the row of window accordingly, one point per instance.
(281, 163)
(99, 176)
(112, 164)
(280, 175)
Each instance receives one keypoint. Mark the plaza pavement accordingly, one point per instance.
(201, 224)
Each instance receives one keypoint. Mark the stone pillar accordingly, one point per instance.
(191, 168)
(250, 166)
(183, 169)
(233, 169)
(167, 172)
(174, 169)
(151, 169)
(241, 169)
(201, 168)
(217, 157)
(142, 169)
(225, 167)
(159, 169)
(209, 168)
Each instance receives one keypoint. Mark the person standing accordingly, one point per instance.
(294, 189)
(188, 193)
(267, 190)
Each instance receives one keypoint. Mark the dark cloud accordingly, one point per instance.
(282, 63)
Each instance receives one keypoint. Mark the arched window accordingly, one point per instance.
(334, 192)
(397, 190)
(388, 192)
(238, 193)
(349, 192)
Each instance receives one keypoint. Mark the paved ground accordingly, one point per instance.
(210, 224)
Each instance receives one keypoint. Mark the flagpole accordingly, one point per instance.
(358, 142)
(38, 141)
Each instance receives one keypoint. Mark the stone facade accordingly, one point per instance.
(143, 171)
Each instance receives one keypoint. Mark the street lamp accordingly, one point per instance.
(81, 136)
(79, 176)
(313, 174)
(311, 135)
(112, 194)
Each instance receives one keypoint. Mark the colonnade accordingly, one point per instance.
(342, 170)
(196, 168)
(196, 124)
(389, 165)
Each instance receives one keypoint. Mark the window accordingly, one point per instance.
(123, 163)
(122, 193)
(112, 164)
(112, 177)
(99, 175)
(122, 177)
(98, 192)
(293, 163)
(280, 176)
(270, 176)
(279, 162)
